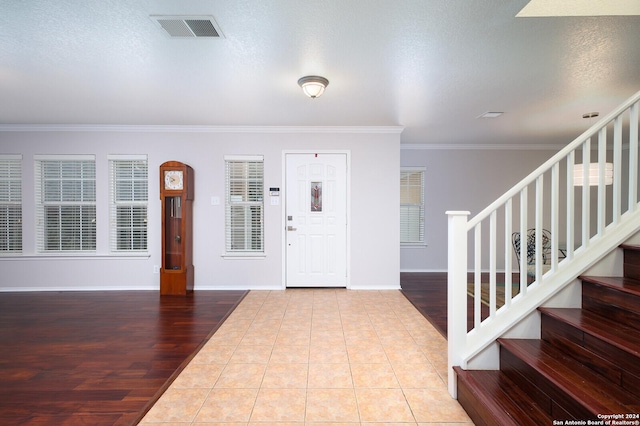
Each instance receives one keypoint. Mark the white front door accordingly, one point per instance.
(316, 220)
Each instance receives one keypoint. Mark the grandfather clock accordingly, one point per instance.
(176, 194)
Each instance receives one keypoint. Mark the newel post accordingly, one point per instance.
(456, 293)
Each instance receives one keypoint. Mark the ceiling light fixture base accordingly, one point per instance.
(312, 85)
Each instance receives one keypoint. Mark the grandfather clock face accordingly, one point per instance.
(173, 180)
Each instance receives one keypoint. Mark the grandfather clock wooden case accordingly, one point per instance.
(176, 194)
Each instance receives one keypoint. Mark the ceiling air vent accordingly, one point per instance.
(188, 26)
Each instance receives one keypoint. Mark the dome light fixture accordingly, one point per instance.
(313, 86)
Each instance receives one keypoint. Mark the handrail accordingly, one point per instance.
(587, 235)
(528, 180)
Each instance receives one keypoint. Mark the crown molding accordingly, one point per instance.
(489, 147)
(196, 129)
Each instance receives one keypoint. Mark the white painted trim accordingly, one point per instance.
(346, 152)
(469, 271)
(10, 156)
(196, 129)
(244, 158)
(489, 147)
(57, 289)
(243, 256)
(74, 255)
(127, 157)
(64, 157)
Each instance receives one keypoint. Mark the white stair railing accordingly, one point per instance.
(586, 219)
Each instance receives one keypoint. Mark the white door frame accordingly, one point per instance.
(283, 227)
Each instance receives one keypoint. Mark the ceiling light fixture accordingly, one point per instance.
(593, 174)
(313, 86)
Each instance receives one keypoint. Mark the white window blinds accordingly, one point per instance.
(244, 205)
(10, 204)
(412, 206)
(66, 204)
(128, 194)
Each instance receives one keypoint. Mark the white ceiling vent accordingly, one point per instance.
(188, 26)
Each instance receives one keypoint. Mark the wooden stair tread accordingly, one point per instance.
(630, 246)
(612, 332)
(590, 390)
(503, 398)
(626, 285)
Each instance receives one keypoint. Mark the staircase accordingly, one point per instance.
(585, 366)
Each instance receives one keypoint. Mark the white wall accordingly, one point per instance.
(462, 179)
(375, 161)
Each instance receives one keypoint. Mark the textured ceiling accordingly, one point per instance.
(432, 66)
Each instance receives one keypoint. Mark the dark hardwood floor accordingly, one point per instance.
(428, 293)
(98, 358)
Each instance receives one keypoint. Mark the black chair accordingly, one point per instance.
(531, 250)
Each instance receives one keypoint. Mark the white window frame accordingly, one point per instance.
(10, 204)
(412, 214)
(84, 200)
(128, 189)
(249, 203)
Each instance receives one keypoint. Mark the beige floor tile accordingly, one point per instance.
(316, 357)
(228, 405)
(325, 324)
(177, 405)
(213, 353)
(279, 405)
(293, 337)
(241, 376)
(436, 345)
(198, 376)
(251, 354)
(231, 337)
(418, 376)
(434, 405)
(386, 324)
(374, 376)
(469, 423)
(327, 337)
(242, 312)
(410, 354)
(239, 324)
(293, 321)
(266, 322)
(328, 354)
(259, 337)
(355, 317)
(330, 376)
(362, 335)
(383, 405)
(331, 405)
(367, 353)
(289, 354)
(395, 336)
(426, 336)
(285, 376)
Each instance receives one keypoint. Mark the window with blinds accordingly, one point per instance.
(412, 206)
(66, 204)
(10, 204)
(244, 207)
(129, 195)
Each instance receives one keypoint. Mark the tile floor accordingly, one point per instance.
(316, 356)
